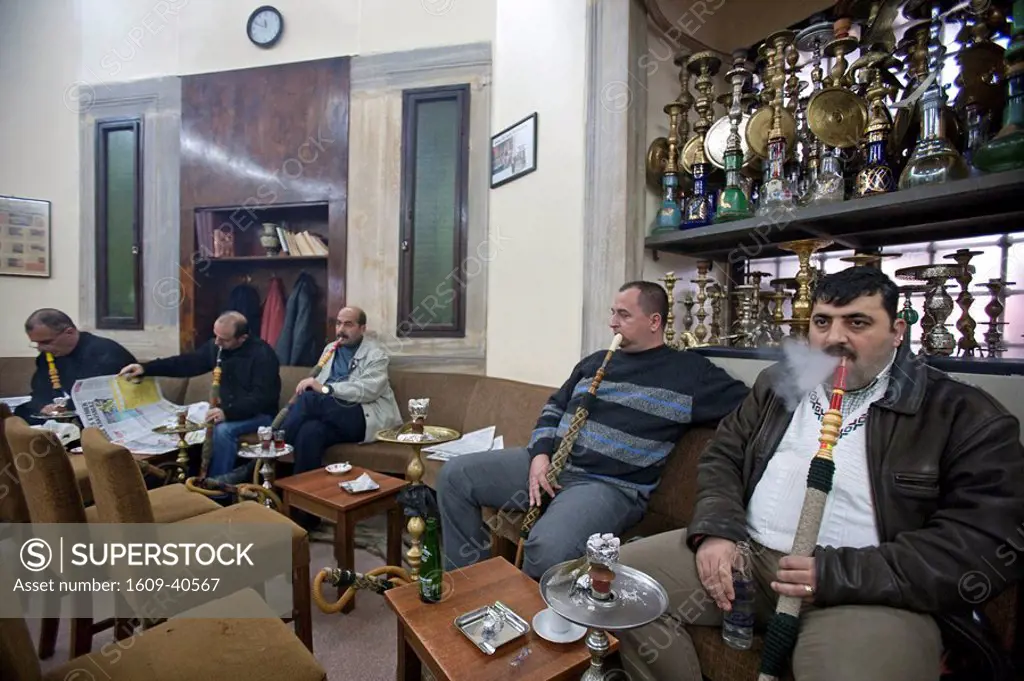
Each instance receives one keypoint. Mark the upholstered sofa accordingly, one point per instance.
(467, 403)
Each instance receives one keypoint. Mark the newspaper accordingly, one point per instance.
(15, 402)
(476, 441)
(127, 412)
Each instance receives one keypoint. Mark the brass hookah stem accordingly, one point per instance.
(51, 365)
(716, 295)
(313, 373)
(561, 456)
(670, 320)
(214, 403)
(792, 57)
(814, 150)
(701, 331)
(778, 86)
(685, 101)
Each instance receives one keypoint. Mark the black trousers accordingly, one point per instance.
(317, 421)
(314, 423)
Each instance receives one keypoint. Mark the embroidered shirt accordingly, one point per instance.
(849, 518)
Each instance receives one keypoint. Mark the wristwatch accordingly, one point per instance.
(327, 390)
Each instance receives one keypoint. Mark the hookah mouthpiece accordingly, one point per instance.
(838, 385)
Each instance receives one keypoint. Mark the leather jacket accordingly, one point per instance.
(947, 480)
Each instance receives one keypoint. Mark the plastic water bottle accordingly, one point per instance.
(738, 623)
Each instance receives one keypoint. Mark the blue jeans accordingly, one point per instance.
(225, 442)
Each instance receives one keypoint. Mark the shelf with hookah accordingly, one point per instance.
(949, 322)
(840, 163)
(973, 207)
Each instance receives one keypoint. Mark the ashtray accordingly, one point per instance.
(338, 468)
(492, 626)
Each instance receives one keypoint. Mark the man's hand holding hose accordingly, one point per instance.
(538, 480)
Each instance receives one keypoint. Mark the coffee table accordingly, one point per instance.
(427, 633)
(317, 492)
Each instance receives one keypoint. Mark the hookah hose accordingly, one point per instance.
(561, 456)
(211, 487)
(314, 372)
(780, 639)
(352, 581)
(196, 484)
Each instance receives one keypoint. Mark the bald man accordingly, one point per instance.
(349, 401)
(250, 384)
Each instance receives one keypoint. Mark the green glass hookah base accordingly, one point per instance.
(1001, 153)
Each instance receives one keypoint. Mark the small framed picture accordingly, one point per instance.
(514, 151)
(24, 237)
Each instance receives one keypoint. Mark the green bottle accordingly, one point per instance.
(431, 565)
(1005, 151)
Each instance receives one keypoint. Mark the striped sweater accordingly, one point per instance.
(645, 403)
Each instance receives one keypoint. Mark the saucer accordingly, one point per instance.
(339, 468)
(542, 622)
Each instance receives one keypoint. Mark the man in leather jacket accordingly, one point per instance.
(928, 493)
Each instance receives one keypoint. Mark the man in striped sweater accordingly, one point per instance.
(651, 394)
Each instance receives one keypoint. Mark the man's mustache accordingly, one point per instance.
(840, 351)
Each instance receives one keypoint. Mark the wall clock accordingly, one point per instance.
(265, 26)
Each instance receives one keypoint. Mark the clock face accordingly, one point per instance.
(265, 26)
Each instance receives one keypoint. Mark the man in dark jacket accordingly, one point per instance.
(928, 489)
(250, 386)
(76, 355)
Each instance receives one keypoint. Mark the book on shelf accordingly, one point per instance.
(305, 243)
(215, 242)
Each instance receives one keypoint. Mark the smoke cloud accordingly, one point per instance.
(806, 367)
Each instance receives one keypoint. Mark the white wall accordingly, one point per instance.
(374, 204)
(659, 76)
(58, 55)
(132, 39)
(39, 139)
(535, 281)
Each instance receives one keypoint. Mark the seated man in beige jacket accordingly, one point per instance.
(349, 401)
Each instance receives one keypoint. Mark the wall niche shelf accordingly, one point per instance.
(268, 259)
(217, 277)
(974, 207)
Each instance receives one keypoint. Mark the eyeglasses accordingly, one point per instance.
(49, 341)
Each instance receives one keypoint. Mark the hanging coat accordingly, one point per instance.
(273, 312)
(245, 298)
(298, 343)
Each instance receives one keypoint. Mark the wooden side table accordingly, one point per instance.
(317, 492)
(427, 633)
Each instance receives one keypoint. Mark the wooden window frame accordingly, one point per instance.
(408, 327)
(103, 319)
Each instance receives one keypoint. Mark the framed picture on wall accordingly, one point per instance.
(24, 237)
(514, 151)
